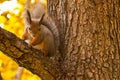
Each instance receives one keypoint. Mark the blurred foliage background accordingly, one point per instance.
(11, 19)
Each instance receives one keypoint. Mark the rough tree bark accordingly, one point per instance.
(90, 37)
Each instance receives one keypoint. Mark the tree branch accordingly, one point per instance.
(28, 57)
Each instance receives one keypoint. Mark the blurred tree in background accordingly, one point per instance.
(11, 19)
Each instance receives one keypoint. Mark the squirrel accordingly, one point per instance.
(39, 35)
(40, 29)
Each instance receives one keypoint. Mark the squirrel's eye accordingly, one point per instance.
(29, 28)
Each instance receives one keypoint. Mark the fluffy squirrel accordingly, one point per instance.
(39, 35)
(40, 29)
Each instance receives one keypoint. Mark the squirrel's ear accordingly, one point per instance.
(41, 18)
(28, 17)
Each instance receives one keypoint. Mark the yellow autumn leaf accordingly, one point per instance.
(2, 19)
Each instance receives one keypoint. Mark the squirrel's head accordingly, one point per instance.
(33, 25)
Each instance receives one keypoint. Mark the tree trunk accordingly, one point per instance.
(90, 42)
(91, 35)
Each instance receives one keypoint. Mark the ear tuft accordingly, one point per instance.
(41, 18)
(28, 17)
